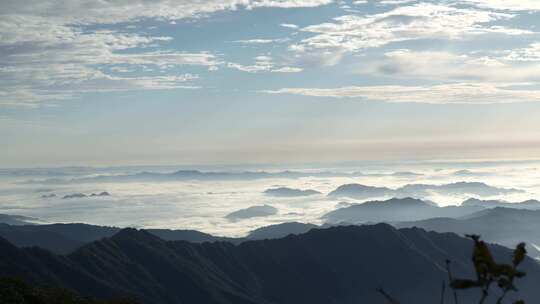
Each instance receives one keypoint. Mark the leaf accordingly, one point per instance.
(503, 270)
(504, 283)
(519, 254)
(520, 274)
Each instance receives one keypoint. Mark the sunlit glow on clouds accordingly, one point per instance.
(419, 21)
(202, 205)
(175, 64)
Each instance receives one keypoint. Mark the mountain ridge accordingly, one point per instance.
(342, 264)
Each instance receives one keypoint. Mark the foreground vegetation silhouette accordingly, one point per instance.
(495, 281)
(489, 273)
(17, 291)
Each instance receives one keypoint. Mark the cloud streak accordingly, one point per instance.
(446, 66)
(457, 93)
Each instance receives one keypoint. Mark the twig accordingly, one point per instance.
(443, 289)
(388, 298)
(451, 279)
(499, 300)
(485, 292)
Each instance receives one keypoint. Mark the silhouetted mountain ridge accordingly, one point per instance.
(335, 265)
(280, 230)
(528, 204)
(396, 209)
(359, 191)
(289, 192)
(506, 226)
(65, 238)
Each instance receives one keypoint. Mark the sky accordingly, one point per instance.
(265, 81)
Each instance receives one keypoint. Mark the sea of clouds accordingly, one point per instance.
(203, 205)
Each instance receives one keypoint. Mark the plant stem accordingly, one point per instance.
(443, 291)
(451, 279)
(388, 298)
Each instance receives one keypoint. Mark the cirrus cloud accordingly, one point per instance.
(455, 93)
(352, 33)
(55, 49)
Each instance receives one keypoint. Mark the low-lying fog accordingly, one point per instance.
(204, 204)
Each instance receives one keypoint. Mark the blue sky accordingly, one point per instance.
(245, 81)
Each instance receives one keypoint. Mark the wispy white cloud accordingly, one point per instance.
(447, 66)
(288, 69)
(52, 50)
(285, 3)
(262, 41)
(395, 2)
(352, 33)
(509, 5)
(47, 61)
(456, 93)
(289, 25)
(264, 63)
(530, 53)
(109, 12)
(49, 52)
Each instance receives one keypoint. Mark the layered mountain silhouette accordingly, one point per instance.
(17, 219)
(336, 265)
(289, 192)
(250, 212)
(280, 230)
(506, 226)
(80, 195)
(66, 238)
(213, 175)
(395, 210)
(194, 175)
(359, 191)
(528, 204)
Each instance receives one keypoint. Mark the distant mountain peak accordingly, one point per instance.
(133, 234)
(407, 200)
(528, 204)
(289, 192)
(187, 172)
(403, 202)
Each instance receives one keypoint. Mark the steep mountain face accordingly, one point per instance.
(393, 210)
(506, 226)
(335, 265)
(41, 267)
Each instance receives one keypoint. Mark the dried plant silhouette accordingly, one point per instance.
(17, 291)
(488, 274)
